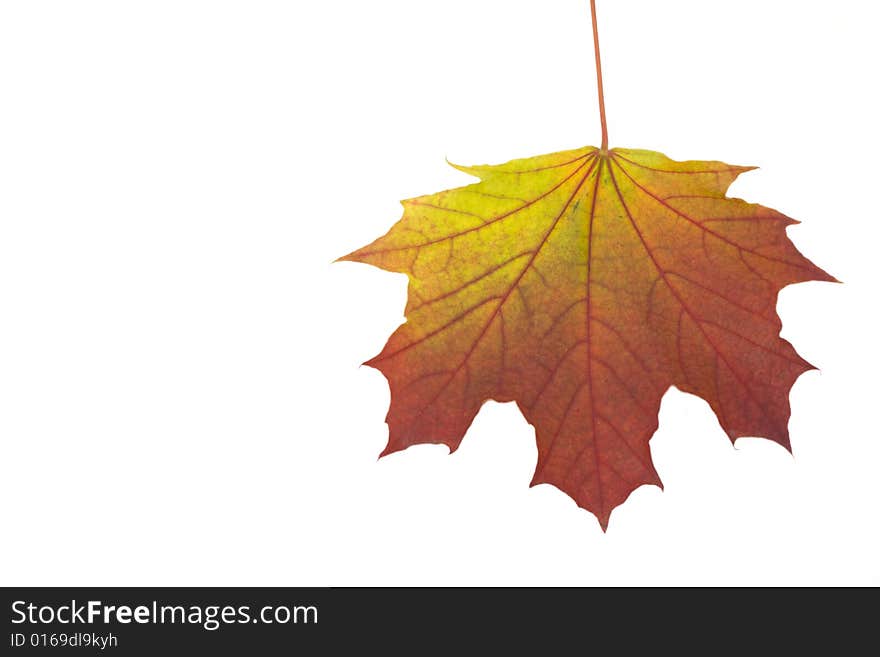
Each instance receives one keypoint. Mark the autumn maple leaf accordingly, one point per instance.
(582, 285)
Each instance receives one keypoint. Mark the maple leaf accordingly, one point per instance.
(582, 285)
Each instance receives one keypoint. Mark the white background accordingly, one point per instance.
(180, 396)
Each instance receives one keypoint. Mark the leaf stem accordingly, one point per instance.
(604, 146)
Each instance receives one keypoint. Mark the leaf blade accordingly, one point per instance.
(582, 284)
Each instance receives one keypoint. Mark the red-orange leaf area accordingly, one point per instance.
(582, 285)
